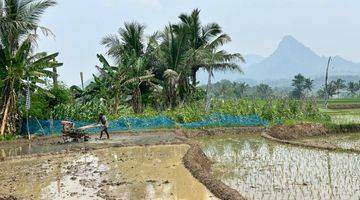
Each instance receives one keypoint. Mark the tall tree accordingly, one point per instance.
(264, 91)
(339, 84)
(198, 35)
(19, 22)
(301, 85)
(353, 88)
(240, 89)
(214, 59)
(19, 70)
(174, 55)
(131, 54)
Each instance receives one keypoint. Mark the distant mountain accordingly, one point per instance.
(292, 57)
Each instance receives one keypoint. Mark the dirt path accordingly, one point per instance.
(154, 172)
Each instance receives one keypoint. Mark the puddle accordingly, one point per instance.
(260, 169)
(115, 173)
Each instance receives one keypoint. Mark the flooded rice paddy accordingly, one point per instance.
(154, 172)
(260, 169)
(343, 141)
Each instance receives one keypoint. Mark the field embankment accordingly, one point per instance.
(305, 135)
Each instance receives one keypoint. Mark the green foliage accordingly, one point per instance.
(7, 137)
(264, 91)
(301, 86)
(42, 103)
(269, 109)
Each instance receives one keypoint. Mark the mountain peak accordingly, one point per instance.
(289, 41)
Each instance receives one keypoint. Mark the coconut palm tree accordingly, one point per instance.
(130, 40)
(352, 87)
(198, 35)
(133, 58)
(174, 55)
(240, 89)
(19, 71)
(214, 59)
(20, 19)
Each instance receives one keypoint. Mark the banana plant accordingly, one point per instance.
(20, 70)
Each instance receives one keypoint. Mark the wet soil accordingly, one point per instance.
(291, 132)
(344, 106)
(148, 172)
(53, 145)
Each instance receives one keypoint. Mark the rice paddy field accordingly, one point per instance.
(133, 167)
(260, 169)
(343, 116)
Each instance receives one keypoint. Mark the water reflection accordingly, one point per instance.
(263, 170)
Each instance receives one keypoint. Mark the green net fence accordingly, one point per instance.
(48, 127)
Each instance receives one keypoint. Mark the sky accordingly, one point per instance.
(329, 27)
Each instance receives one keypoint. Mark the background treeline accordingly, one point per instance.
(301, 88)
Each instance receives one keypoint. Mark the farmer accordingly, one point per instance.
(67, 126)
(105, 125)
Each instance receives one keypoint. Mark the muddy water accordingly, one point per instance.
(343, 141)
(114, 173)
(260, 169)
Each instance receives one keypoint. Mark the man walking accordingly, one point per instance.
(105, 125)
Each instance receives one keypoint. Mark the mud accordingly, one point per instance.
(200, 166)
(297, 131)
(99, 169)
(317, 136)
(344, 106)
(154, 172)
(53, 145)
(194, 133)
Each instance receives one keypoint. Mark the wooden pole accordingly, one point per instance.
(326, 83)
(82, 80)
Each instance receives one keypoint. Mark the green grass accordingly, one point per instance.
(340, 101)
(7, 138)
(342, 116)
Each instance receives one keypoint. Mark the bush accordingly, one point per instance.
(272, 110)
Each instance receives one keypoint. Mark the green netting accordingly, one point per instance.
(47, 127)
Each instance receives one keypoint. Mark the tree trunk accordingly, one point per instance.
(117, 102)
(170, 89)
(55, 77)
(5, 116)
(136, 101)
(193, 76)
(9, 115)
(208, 92)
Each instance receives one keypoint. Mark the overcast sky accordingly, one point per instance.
(329, 27)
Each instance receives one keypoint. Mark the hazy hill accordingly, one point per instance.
(291, 57)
